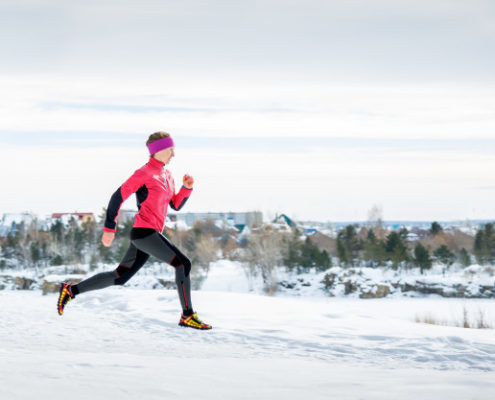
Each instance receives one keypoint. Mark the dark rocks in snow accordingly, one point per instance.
(54, 287)
(349, 287)
(376, 292)
(167, 284)
(16, 282)
(22, 283)
(287, 285)
(349, 282)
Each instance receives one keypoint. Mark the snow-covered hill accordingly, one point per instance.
(125, 343)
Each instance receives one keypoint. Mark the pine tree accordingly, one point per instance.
(374, 250)
(484, 244)
(35, 253)
(444, 255)
(436, 228)
(348, 245)
(395, 248)
(464, 258)
(422, 257)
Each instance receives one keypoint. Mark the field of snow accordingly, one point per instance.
(124, 343)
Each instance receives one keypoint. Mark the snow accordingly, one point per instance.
(125, 343)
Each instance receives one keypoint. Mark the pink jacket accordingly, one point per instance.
(155, 190)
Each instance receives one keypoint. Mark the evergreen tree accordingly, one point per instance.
(374, 251)
(57, 229)
(444, 255)
(484, 244)
(311, 256)
(35, 253)
(436, 228)
(464, 258)
(403, 232)
(57, 260)
(11, 243)
(305, 254)
(395, 248)
(348, 245)
(422, 257)
(490, 242)
(292, 246)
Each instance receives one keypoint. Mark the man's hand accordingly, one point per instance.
(107, 238)
(188, 181)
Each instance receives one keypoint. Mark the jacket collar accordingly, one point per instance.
(153, 162)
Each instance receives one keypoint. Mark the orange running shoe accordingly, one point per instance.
(192, 321)
(65, 295)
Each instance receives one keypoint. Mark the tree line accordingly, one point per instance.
(263, 249)
(395, 250)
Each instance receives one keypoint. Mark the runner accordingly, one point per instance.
(155, 190)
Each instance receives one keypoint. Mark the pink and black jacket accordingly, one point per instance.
(155, 190)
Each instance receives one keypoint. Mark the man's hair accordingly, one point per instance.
(156, 136)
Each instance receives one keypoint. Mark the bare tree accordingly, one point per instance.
(264, 253)
(375, 215)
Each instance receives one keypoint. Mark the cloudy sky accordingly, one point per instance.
(319, 109)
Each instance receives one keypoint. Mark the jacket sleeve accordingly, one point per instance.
(130, 186)
(180, 198)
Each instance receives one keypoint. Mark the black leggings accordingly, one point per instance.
(145, 242)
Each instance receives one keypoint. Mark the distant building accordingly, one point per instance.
(289, 221)
(238, 219)
(82, 217)
(11, 222)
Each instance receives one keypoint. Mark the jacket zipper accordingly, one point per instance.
(166, 197)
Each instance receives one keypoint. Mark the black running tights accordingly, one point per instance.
(145, 242)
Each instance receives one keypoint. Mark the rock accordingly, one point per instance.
(167, 284)
(422, 287)
(377, 292)
(349, 287)
(78, 271)
(382, 291)
(50, 287)
(22, 283)
(54, 287)
(287, 285)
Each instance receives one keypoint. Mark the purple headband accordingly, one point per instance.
(161, 144)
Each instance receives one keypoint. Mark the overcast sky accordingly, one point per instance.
(319, 109)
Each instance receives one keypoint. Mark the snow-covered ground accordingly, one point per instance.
(124, 343)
